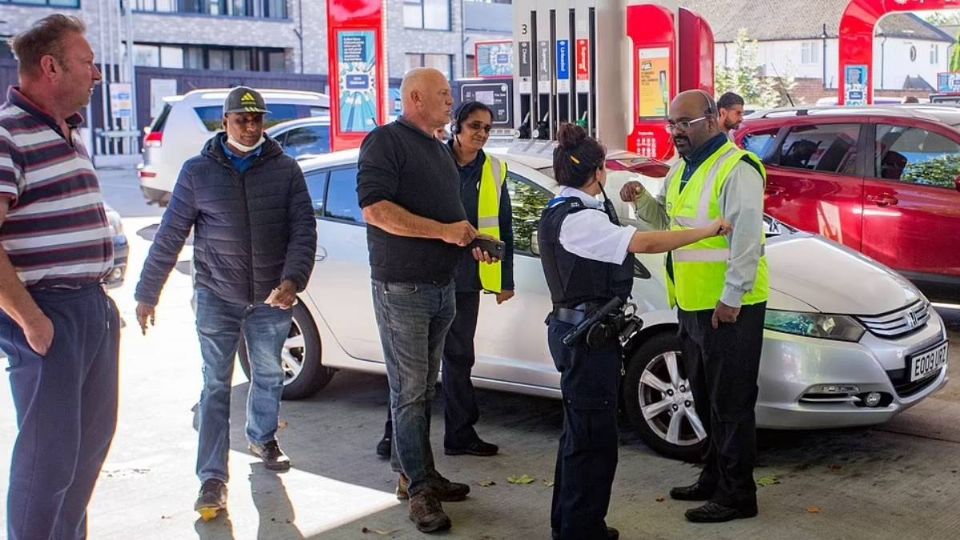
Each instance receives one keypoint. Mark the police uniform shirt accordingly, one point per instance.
(591, 235)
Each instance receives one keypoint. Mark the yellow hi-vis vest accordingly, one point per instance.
(699, 269)
(488, 217)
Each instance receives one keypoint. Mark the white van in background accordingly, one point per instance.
(179, 132)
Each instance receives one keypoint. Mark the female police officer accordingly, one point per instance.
(588, 260)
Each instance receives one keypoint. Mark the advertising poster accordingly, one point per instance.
(855, 85)
(357, 63)
(654, 83)
(121, 100)
(948, 82)
(495, 58)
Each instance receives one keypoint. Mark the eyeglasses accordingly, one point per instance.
(683, 125)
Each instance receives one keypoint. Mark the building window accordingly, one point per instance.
(426, 14)
(266, 9)
(934, 54)
(201, 57)
(157, 56)
(52, 3)
(470, 66)
(441, 62)
(810, 52)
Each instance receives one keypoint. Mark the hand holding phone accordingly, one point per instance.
(491, 246)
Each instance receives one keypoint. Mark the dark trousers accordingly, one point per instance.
(587, 455)
(460, 411)
(66, 405)
(722, 367)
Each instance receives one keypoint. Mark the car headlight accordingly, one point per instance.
(817, 325)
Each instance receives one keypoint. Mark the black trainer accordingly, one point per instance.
(383, 447)
(612, 534)
(717, 513)
(476, 448)
(212, 499)
(273, 458)
(693, 492)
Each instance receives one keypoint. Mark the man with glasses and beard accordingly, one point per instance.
(720, 286)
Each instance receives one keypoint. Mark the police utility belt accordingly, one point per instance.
(597, 324)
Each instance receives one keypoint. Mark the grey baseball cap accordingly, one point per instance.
(243, 99)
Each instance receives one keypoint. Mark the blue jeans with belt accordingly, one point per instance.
(66, 403)
(587, 454)
(413, 320)
(265, 329)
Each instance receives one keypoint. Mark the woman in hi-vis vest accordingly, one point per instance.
(487, 204)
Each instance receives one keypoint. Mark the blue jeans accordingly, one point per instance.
(265, 329)
(66, 403)
(413, 319)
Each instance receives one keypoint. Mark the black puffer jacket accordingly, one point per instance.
(252, 230)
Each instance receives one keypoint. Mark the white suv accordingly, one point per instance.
(179, 132)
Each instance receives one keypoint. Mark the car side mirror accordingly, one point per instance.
(535, 243)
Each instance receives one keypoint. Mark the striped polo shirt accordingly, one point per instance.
(56, 232)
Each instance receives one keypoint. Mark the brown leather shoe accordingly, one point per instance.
(427, 512)
(444, 489)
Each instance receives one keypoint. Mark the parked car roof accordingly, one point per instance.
(938, 113)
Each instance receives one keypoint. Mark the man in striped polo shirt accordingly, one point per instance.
(58, 328)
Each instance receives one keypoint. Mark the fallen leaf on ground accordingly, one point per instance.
(367, 530)
(661, 498)
(281, 425)
(548, 483)
(813, 510)
(765, 481)
(486, 483)
(522, 479)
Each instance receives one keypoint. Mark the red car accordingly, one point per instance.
(882, 180)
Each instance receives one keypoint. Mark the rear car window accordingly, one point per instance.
(306, 141)
(212, 115)
(161, 119)
(341, 203)
(916, 156)
(825, 148)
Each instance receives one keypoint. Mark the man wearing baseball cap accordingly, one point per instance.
(254, 244)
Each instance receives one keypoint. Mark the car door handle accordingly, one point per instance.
(774, 190)
(883, 200)
(321, 254)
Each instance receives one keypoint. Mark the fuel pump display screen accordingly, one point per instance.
(497, 96)
(654, 82)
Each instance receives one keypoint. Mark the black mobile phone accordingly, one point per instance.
(493, 247)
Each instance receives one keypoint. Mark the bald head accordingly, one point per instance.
(427, 101)
(697, 108)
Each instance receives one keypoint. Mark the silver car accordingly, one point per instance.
(847, 341)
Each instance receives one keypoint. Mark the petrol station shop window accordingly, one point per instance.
(426, 14)
(441, 62)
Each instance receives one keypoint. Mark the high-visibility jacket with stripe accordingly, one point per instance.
(699, 269)
(492, 178)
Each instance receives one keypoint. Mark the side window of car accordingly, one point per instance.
(341, 202)
(317, 186)
(916, 156)
(527, 201)
(307, 140)
(828, 148)
(762, 143)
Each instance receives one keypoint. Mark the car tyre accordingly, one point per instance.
(304, 373)
(655, 382)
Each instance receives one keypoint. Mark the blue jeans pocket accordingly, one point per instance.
(400, 289)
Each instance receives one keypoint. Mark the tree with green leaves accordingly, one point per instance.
(746, 76)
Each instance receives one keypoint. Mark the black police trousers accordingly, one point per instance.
(587, 456)
(722, 366)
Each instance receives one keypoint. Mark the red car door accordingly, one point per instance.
(911, 212)
(812, 180)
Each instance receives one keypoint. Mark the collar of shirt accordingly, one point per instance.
(16, 97)
(471, 167)
(701, 154)
(407, 124)
(241, 163)
(589, 200)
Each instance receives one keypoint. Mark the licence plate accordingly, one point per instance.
(923, 364)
